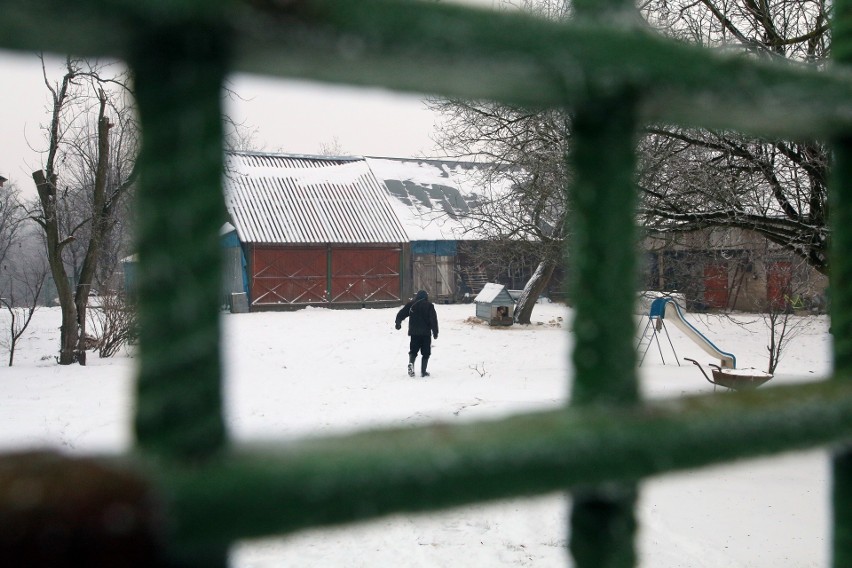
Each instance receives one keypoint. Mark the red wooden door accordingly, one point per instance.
(365, 275)
(288, 276)
(779, 279)
(716, 285)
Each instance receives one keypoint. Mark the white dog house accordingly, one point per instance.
(495, 305)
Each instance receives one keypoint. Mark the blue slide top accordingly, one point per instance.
(658, 307)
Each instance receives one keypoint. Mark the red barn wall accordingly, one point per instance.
(287, 277)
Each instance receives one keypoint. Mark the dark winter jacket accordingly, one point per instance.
(422, 318)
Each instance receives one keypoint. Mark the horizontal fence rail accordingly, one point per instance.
(356, 477)
(456, 51)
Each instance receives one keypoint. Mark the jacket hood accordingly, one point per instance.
(421, 295)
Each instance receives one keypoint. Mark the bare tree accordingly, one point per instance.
(790, 297)
(239, 136)
(20, 315)
(12, 216)
(693, 179)
(690, 179)
(792, 29)
(782, 315)
(332, 148)
(114, 322)
(527, 149)
(525, 177)
(91, 141)
(783, 327)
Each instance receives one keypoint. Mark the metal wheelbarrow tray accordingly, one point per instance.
(734, 379)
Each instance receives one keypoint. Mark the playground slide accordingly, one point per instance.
(671, 308)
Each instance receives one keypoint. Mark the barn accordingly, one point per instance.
(315, 231)
(731, 269)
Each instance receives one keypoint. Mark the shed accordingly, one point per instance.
(316, 230)
(495, 305)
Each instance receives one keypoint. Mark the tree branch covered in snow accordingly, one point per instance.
(692, 179)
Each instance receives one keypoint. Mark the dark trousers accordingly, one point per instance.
(421, 344)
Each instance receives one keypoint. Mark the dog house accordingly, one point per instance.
(495, 305)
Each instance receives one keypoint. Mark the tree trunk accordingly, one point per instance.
(105, 199)
(535, 286)
(13, 339)
(68, 331)
(100, 227)
(773, 319)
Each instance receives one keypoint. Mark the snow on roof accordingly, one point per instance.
(317, 199)
(276, 198)
(490, 292)
(431, 196)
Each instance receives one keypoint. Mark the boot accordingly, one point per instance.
(423, 364)
(411, 359)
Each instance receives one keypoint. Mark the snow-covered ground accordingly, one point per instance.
(318, 371)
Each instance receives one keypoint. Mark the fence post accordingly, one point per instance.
(840, 195)
(602, 257)
(178, 70)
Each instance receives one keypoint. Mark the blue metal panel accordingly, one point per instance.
(229, 240)
(445, 248)
(438, 248)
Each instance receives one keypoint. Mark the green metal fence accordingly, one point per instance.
(615, 80)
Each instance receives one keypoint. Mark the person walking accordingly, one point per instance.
(422, 327)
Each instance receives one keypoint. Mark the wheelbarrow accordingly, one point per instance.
(734, 379)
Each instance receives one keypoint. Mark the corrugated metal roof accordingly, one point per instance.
(274, 198)
(433, 196)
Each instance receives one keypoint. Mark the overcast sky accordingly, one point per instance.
(288, 116)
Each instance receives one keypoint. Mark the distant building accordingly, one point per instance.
(350, 231)
(731, 269)
(314, 231)
(369, 231)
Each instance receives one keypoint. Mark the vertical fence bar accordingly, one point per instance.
(178, 72)
(841, 326)
(602, 256)
(841, 294)
(602, 259)
(602, 200)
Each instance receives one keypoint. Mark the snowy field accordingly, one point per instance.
(317, 371)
